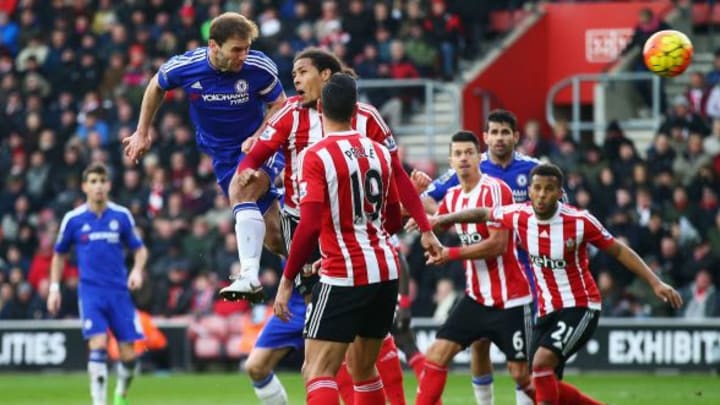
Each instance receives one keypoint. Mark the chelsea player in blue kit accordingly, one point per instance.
(228, 87)
(100, 230)
(503, 162)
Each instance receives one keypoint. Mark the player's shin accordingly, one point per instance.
(98, 372)
(345, 385)
(369, 392)
(390, 370)
(483, 389)
(524, 395)
(250, 233)
(322, 391)
(270, 391)
(546, 386)
(126, 371)
(569, 395)
(431, 385)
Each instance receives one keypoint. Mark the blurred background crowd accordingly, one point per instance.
(73, 74)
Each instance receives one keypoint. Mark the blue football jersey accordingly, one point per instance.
(100, 242)
(516, 175)
(225, 107)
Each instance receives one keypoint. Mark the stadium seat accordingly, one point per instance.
(215, 325)
(700, 13)
(207, 347)
(234, 324)
(501, 21)
(234, 347)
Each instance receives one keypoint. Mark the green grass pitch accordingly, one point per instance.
(230, 388)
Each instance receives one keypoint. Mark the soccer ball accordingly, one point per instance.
(668, 53)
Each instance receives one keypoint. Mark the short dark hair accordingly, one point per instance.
(547, 169)
(94, 168)
(339, 96)
(322, 60)
(502, 117)
(465, 136)
(230, 24)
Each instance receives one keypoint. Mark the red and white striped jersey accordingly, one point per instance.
(497, 281)
(295, 127)
(557, 249)
(351, 176)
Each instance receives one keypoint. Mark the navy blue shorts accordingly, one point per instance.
(225, 170)
(278, 334)
(109, 309)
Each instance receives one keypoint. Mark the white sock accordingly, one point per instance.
(483, 389)
(521, 398)
(98, 372)
(250, 233)
(125, 373)
(270, 391)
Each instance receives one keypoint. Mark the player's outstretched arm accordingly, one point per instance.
(135, 278)
(494, 245)
(470, 215)
(632, 261)
(138, 144)
(56, 267)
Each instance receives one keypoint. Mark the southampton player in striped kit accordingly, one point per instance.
(555, 236)
(296, 126)
(503, 162)
(348, 199)
(497, 302)
(227, 86)
(100, 231)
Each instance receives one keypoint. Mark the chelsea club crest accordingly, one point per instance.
(241, 86)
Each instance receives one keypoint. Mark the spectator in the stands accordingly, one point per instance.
(681, 121)
(700, 298)
(445, 32)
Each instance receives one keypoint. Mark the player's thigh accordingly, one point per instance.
(466, 323)
(278, 334)
(378, 313)
(361, 357)
(123, 319)
(261, 361)
(273, 231)
(322, 358)
(304, 283)
(93, 317)
(480, 363)
(562, 333)
(252, 191)
(442, 351)
(334, 313)
(511, 331)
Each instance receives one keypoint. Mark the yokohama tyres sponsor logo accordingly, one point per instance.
(32, 348)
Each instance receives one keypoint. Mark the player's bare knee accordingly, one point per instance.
(519, 372)
(442, 351)
(257, 371)
(252, 191)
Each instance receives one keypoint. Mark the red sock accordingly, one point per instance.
(432, 384)
(546, 386)
(322, 391)
(370, 392)
(569, 395)
(390, 369)
(417, 362)
(345, 384)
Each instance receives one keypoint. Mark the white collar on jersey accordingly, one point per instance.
(342, 133)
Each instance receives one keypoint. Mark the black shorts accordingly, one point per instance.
(304, 284)
(508, 328)
(339, 314)
(564, 332)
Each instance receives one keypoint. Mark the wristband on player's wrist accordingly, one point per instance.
(54, 287)
(403, 301)
(454, 253)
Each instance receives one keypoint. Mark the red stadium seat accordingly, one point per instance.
(700, 13)
(207, 347)
(215, 325)
(235, 325)
(234, 347)
(501, 21)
